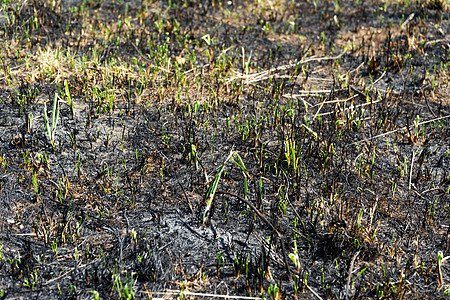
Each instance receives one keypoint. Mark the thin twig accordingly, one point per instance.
(306, 93)
(272, 255)
(187, 199)
(411, 169)
(372, 213)
(349, 108)
(437, 41)
(357, 91)
(398, 129)
(254, 209)
(379, 78)
(314, 293)
(349, 277)
(174, 292)
(428, 104)
(337, 100)
(265, 74)
(283, 249)
(410, 17)
(59, 277)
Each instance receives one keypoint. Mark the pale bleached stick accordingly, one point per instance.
(349, 277)
(264, 74)
(356, 106)
(174, 292)
(402, 128)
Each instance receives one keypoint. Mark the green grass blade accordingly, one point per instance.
(55, 115)
(213, 188)
(315, 135)
(236, 158)
(69, 99)
(211, 192)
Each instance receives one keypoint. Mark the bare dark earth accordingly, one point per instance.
(206, 149)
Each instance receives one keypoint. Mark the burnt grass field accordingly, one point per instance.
(224, 149)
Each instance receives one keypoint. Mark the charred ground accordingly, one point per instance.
(244, 148)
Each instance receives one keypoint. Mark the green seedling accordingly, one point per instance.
(274, 292)
(337, 268)
(220, 261)
(134, 235)
(358, 222)
(192, 156)
(76, 255)
(125, 291)
(95, 295)
(51, 127)
(380, 291)
(290, 153)
(359, 275)
(440, 256)
(213, 188)
(305, 279)
(31, 280)
(69, 99)
(294, 256)
(211, 192)
(35, 186)
(238, 161)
